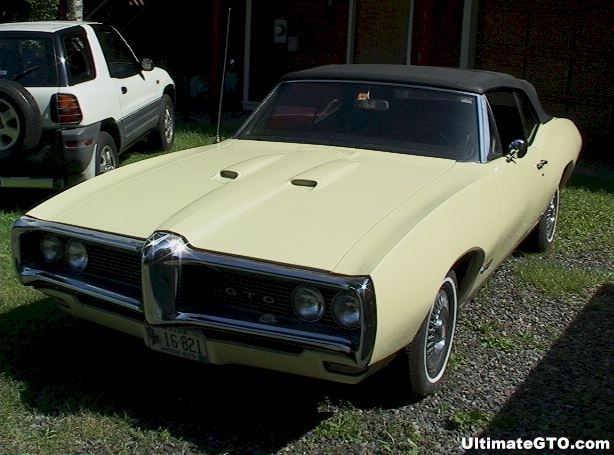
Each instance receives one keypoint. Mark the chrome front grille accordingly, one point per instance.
(113, 270)
(116, 264)
(165, 282)
(246, 296)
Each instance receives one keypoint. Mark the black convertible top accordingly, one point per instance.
(476, 81)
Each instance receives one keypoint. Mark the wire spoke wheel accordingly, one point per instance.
(429, 351)
(550, 217)
(439, 334)
(542, 236)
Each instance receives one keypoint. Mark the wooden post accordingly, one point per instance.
(422, 52)
(62, 9)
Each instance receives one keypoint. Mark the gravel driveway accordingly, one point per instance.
(554, 381)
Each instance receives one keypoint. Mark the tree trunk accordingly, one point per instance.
(74, 10)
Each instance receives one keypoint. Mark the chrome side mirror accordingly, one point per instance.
(516, 149)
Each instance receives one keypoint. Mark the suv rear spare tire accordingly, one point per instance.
(20, 119)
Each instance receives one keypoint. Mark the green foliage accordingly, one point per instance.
(43, 10)
(468, 420)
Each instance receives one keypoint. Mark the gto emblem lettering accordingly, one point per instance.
(248, 295)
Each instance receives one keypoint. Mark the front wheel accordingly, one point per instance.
(429, 352)
(418, 368)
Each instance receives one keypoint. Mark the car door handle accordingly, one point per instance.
(124, 90)
(541, 164)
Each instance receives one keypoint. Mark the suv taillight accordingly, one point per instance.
(66, 109)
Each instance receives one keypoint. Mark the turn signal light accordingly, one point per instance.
(67, 109)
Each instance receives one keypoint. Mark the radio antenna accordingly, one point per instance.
(219, 110)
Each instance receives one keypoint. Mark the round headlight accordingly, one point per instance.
(308, 303)
(346, 310)
(76, 255)
(51, 248)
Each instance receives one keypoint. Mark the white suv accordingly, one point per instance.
(73, 96)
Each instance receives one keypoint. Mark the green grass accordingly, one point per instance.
(585, 231)
(495, 335)
(557, 279)
(358, 427)
(188, 136)
(68, 386)
(468, 420)
(587, 221)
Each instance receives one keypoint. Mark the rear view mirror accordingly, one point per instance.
(373, 105)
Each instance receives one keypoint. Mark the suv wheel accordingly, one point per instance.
(20, 119)
(164, 133)
(106, 153)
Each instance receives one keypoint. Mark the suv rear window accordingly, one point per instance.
(79, 65)
(28, 60)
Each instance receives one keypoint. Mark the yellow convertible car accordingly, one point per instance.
(339, 230)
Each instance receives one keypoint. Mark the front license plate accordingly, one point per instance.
(179, 342)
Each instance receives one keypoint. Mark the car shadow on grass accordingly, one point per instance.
(569, 394)
(23, 199)
(68, 366)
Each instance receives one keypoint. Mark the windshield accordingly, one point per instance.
(388, 117)
(28, 60)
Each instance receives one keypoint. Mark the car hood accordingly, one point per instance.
(296, 204)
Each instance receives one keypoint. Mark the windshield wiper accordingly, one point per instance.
(25, 73)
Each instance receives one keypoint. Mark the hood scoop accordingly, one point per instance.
(307, 183)
(228, 174)
(300, 185)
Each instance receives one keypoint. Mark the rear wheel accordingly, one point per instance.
(20, 119)
(164, 134)
(542, 235)
(106, 153)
